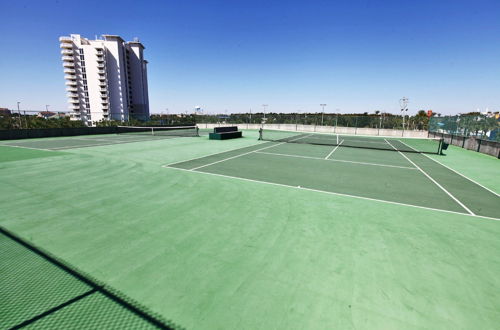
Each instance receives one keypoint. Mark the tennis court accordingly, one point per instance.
(368, 167)
(126, 134)
(325, 231)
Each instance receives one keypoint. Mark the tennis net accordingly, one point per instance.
(419, 145)
(159, 131)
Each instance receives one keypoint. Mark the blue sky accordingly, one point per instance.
(353, 55)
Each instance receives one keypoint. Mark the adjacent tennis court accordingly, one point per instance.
(126, 134)
(363, 167)
(295, 230)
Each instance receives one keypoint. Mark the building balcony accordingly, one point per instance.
(67, 51)
(105, 107)
(70, 77)
(99, 53)
(71, 83)
(74, 95)
(65, 39)
(100, 65)
(70, 71)
(102, 84)
(68, 58)
(100, 59)
(101, 71)
(74, 107)
(74, 101)
(69, 65)
(104, 102)
(66, 43)
(103, 89)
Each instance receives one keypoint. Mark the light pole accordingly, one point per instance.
(323, 105)
(403, 103)
(19, 111)
(264, 119)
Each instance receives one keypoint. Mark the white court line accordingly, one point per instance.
(480, 185)
(333, 193)
(216, 153)
(430, 178)
(246, 153)
(14, 146)
(338, 145)
(336, 160)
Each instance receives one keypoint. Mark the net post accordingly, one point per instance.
(152, 131)
(440, 147)
(197, 131)
(260, 134)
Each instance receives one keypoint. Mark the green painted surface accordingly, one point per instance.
(482, 168)
(10, 154)
(30, 285)
(92, 312)
(210, 252)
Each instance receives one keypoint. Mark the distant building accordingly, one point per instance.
(105, 78)
(46, 114)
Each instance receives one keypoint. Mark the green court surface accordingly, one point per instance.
(248, 234)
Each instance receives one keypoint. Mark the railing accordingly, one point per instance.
(67, 52)
(69, 76)
(66, 45)
(68, 58)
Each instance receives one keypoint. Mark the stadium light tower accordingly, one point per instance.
(264, 106)
(403, 104)
(323, 105)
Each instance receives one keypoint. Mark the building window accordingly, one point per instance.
(81, 50)
(85, 88)
(82, 57)
(82, 63)
(86, 94)
(84, 76)
(84, 70)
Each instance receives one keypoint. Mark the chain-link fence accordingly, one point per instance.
(485, 127)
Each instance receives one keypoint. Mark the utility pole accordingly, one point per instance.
(264, 119)
(264, 106)
(403, 103)
(323, 105)
(19, 112)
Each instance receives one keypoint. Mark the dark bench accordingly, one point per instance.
(224, 133)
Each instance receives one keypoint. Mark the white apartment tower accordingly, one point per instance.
(105, 78)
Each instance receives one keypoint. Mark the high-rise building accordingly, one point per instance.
(105, 78)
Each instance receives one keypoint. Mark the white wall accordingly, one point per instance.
(327, 129)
